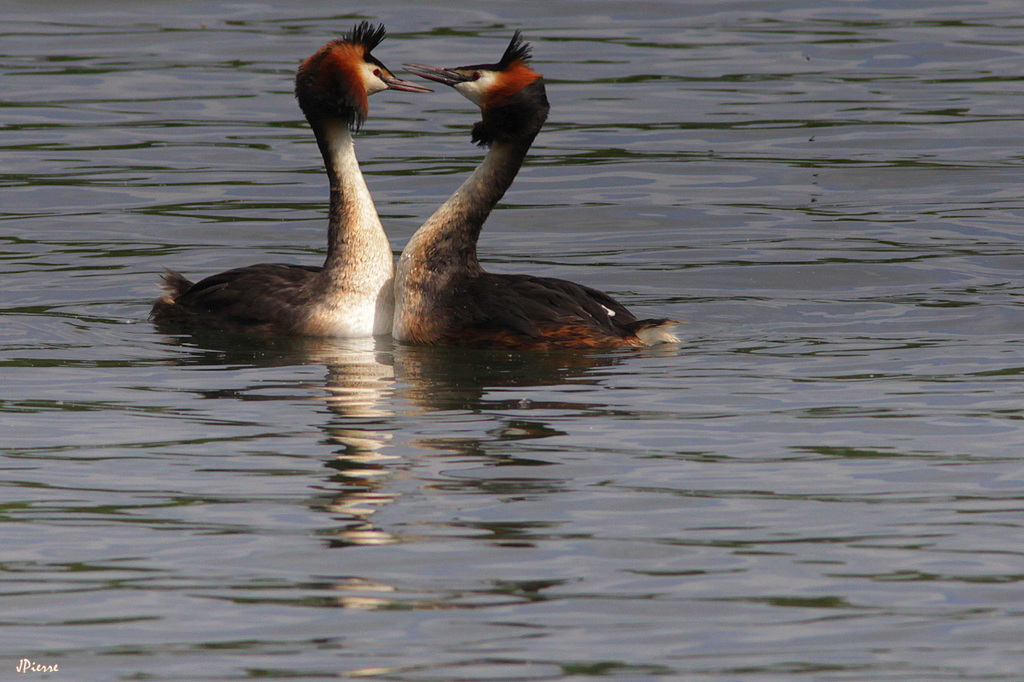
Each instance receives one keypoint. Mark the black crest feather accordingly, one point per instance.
(366, 34)
(517, 50)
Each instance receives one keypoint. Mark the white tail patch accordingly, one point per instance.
(660, 334)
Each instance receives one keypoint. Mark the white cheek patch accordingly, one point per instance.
(372, 80)
(476, 91)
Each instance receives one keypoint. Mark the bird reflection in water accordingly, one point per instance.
(376, 391)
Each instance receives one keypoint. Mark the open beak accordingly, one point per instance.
(405, 86)
(438, 75)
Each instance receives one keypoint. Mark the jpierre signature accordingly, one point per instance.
(27, 666)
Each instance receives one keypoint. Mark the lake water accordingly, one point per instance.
(824, 481)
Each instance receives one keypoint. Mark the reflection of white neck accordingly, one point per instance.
(360, 265)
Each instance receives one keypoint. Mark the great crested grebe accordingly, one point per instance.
(352, 294)
(444, 297)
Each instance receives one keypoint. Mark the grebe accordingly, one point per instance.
(352, 294)
(444, 297)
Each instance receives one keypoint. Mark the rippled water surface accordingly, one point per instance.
(824, 481)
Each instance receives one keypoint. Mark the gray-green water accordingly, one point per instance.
(823, 482)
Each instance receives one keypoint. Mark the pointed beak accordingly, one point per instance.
(405, 86)
(448, 77)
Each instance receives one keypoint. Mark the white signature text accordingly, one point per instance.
(27, 666)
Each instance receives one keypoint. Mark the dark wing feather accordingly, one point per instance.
(267, 297)
(537, 312)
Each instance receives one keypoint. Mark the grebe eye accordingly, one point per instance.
(476, 75)
(376, 72)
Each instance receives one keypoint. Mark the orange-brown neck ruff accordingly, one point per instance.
(335, 76)
(513, 79)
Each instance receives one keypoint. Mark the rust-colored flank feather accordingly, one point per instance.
(571, 336)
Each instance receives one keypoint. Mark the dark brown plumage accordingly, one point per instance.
(538, 313)
(443, 296)
(351, 294)
(225, 301)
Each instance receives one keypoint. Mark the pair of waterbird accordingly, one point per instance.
(438, 294)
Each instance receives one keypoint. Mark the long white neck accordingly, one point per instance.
(444, 247)
(359, 268)
(354, 225)
(452, 231)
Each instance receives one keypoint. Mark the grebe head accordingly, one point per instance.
(334, 82)
(509, 93)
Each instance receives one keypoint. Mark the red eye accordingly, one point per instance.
(376, 72)
(476, 75)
